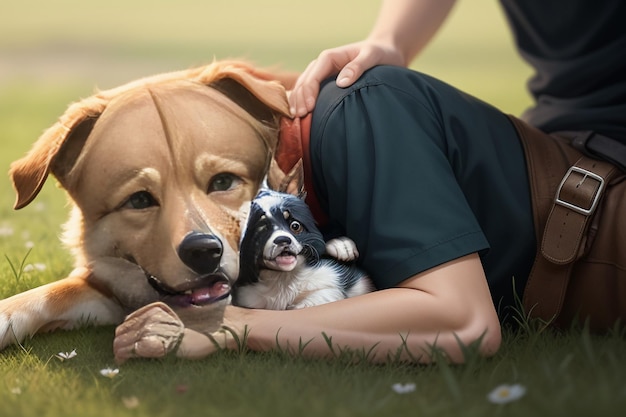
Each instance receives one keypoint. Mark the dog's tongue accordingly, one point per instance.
(285, 261)
(210, 294)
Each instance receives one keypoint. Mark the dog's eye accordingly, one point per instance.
(222, 182)
(295, 227)
(140, 200)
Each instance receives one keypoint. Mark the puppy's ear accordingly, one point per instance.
(290, 183)
(260, 93)
(56, 150)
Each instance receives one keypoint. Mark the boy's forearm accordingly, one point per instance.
(442, 308)
(409, 25)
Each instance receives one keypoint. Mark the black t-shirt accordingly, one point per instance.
(418, 174)
(578, 51)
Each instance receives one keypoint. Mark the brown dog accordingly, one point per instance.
(160, 172)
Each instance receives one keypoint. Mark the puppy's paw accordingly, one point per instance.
(342, 248)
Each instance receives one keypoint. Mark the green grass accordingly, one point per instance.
(572, 374)
(52, 53)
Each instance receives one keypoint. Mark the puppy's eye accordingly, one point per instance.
(140, 200)
(223, 182)
(296, 227)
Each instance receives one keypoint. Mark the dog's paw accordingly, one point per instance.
(342, 248)
(8, 335)
(152, 331)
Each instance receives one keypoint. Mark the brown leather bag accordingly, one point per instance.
(579, 211)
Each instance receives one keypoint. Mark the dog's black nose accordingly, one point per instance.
(201, 252)
(282, 240)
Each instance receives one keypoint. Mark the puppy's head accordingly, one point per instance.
(280, 233)
(161, 172)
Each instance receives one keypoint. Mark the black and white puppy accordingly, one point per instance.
(285, 263)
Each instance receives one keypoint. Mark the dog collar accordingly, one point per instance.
(293, 154)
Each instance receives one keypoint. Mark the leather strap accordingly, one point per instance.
(601, 147)
(564, 235)
(562, 229)
(574, 205)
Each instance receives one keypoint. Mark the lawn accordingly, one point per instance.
(52, 53)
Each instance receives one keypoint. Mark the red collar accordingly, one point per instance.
(293, 150)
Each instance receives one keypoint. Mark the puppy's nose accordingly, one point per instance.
(282, 240)
(201, 252)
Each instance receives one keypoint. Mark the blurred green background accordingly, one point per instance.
(88, 43)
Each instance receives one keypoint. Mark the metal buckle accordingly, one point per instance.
(596, 198)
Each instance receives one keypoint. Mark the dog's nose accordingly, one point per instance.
(201, 252)
(282, 240)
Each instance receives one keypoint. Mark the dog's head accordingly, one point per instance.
(280, 233)
(161, 172)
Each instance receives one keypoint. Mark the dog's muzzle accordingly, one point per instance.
(202, 253)
(203, 291)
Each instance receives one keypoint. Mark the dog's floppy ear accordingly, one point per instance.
(66, 137)
(259, 92)
(263, 95)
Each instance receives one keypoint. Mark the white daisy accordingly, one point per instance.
(34, 267)
(63, 356)
(506, 393)
(403, 388)
(109, 373)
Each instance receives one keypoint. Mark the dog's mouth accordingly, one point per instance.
(206, 290)
(286, 260)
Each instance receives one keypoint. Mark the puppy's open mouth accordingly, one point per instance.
(284, 261)
(205, 290)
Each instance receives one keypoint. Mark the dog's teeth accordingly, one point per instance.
(188, 292)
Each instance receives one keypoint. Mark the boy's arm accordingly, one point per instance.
(444, 307)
